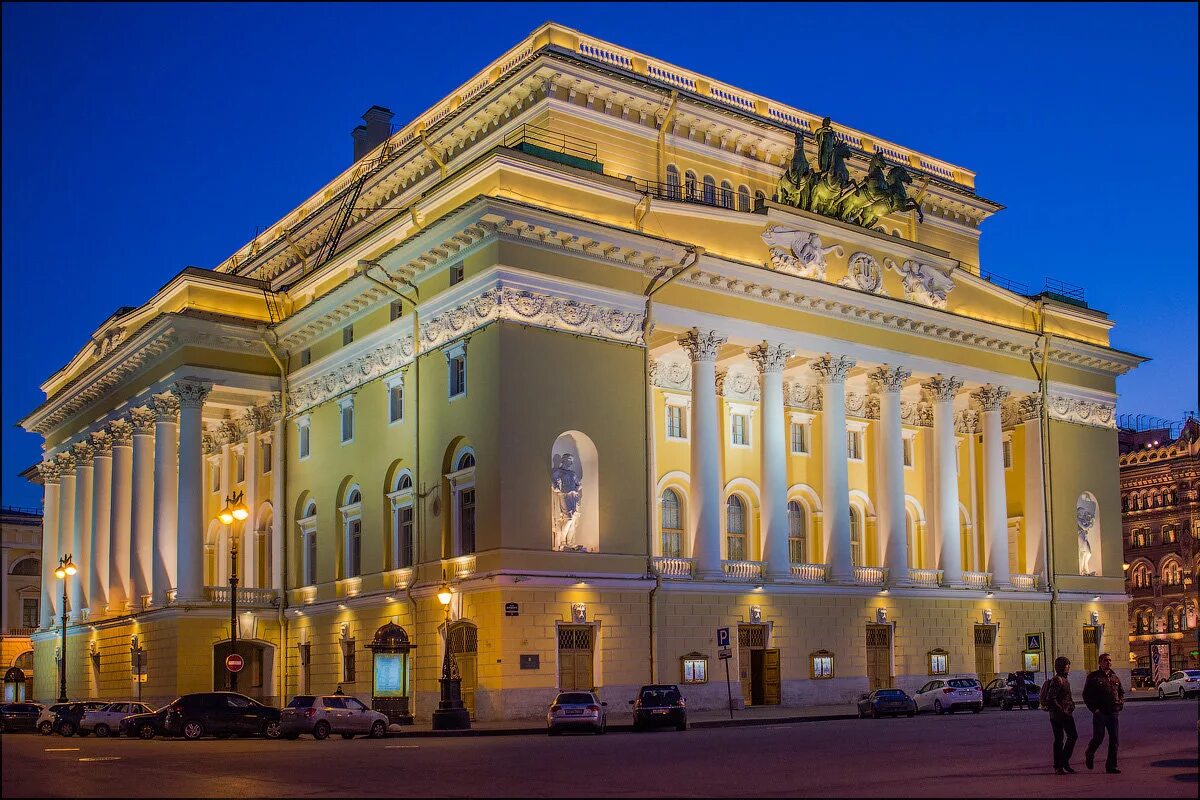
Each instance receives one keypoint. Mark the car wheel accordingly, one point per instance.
(193, 729)
(937, 707)
(46, 728)
(103, 730)
(321, 730)
(146, 731)
(378, 729)
(66, 729)
(272, 729)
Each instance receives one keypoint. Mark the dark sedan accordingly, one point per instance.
(19, 717)
(219, 714)
(659, 704)
(886, 702)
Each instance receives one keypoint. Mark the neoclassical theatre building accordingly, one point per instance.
(624, 355)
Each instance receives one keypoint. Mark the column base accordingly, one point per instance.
(709, 574)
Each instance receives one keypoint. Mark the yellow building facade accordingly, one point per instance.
(557, 344)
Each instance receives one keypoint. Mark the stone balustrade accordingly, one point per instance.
(672, 567)
(245, 596)
(977, 580)
(743, 570)
(925, 577)
(810, 573)
(463, 566)
(870, 576)
(1026, 583)
(401, 579)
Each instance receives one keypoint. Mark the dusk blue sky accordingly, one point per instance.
(142, 138)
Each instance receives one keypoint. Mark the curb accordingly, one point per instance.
(541, 731)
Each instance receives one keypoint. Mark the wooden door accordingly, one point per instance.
(464, 646)
(751, 638)
(879, 657)
(772, 689)
(746, 672)
(985, 653)
(575, 658)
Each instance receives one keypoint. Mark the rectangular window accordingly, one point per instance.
(305, 357)
(907, 443)
(214, 476)
(676, 427)
(347, 335)
(304, 441)
(348, 661)
(396, 403)
(310, 559)
(466, 520)
(29, 612)
(939, 663)
(458, 375)
(347, 423)
(799, 438)
(1006, 449)
(239, 462)
(854, 445)
(456, 273)
(405, 537)
(397, 310)
(695, 668)
(265, 456)
(354, 549)
(739, 434)
(821, 665)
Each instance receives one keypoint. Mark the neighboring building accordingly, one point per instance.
(1160, 505)
(627, 411)
(21, 530)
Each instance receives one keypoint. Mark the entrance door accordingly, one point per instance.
(771, 683)
(464, 646)
(879, 657)
(985, 653)
(1091, 647)
(575, 653)
(752, 665)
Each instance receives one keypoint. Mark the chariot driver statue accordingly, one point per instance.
(567, 485)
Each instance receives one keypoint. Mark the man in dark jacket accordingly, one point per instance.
(1061, 706)
(1104, 697)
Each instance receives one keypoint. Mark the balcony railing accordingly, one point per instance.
(1026, 583)
(870, 576)
(925, 577)
(672, 567)
(20, 631)
(810, 573)
(743, 570)
(400, 578)
(561, 147)
(246, 596)
(463, 566)
(977, 580)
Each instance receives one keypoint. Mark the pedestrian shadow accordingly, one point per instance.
(1175, 763)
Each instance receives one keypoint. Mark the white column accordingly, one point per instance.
(101, 520)
(81, 541)
(166, 496)
(50, 549)
(189, 523)
(120, 530)
(831, 372)
(995, 503)
(771, 359)
(141, 553)
(66, 523)
(1030, 409)
(940, 391)
(250, 526)
(278, 504)
(704, 512)
(887, 381)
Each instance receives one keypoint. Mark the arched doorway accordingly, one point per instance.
(463, 640)
(255, 679)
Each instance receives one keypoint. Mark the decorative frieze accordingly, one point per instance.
(1083, 412)
(802, 395)
(702, 345)
(917, 415)
(770, 357)
(863, 273)
(887, 378)
(862, 406)
(832, 369)
(345, 377)
(737, 384)
(941, 388)
(966, 421)
(923, 283)
(797, 252)
(669, 374)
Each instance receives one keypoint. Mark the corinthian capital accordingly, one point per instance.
(142, 419)
(49, 470)
(1029, 407)
(166, 406)
(190, 394)
(941, 388)
(888, 379)
(83, 453)
(702, 345)
(65, 462)
(990, 398)
(831, 368)
(102, 442)
(770, 357)
(121, 431)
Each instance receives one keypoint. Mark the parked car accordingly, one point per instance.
(192, 716)
(947, 695)
(104, 721)
(45, 720)
(1139, 678)
(322, 715)
(892, 702)
(19, 717)
(1181, 683)
(576, 711)
(999, 692)
(659, 704)
(67, 719)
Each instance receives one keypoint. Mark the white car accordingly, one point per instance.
(1182, 683)
(107, 721)
(947, 695)
(45, 720)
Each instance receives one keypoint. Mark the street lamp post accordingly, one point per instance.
(234, 509)
(450, 714)
(65, 567)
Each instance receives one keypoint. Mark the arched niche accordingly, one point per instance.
(575, 486)
(1087, 521)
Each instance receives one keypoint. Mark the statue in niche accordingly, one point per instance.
(566, 481)
(1085, 518)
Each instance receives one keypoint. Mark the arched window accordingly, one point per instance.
(735, 528)
(727, 194)
(743, 198)
(710, 190)
(24, 662)
(462, 503)
(1171, 620)
(467, 461)
(1124, 502)
(672, 182)
(308, 533)
(797, 532)
(403, 522)
(856, 536)
(352, 534)
(672, 525)
(759, 198)
(689, 185)
(27, 567)
(1172, 575)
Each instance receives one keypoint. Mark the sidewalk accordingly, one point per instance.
(623, 721)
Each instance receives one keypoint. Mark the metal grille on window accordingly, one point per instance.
(575, 637)
(752, 636)
(879, 636)
(985, 635)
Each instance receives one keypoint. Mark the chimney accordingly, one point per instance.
(374, 133)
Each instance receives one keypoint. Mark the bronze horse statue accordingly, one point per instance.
(888, 198)
(796, 182)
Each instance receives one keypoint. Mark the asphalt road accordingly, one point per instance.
(993, 754)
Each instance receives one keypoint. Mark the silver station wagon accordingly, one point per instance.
(323, 714)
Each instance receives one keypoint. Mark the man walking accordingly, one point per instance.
(1061, 706)
(1104, 697)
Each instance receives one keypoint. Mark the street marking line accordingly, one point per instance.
(60, 749)
(402, 747)
(101, 758)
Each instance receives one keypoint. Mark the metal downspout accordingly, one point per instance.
(281, 506)
(1048, 506)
